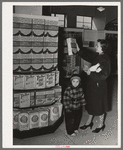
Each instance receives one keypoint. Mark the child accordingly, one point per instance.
(73, 100)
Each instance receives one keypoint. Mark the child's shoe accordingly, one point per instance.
(76, 131)
(73, 134)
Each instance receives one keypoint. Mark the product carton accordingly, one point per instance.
(15, 119)
(16, 100)
(33, 119)
(50, 79)
(40, 98)
(18, 81)
(43, 118)
(58, 93)
(32, 99)
(49, 96)
(23, 121)
(48, 60)
(56, 77)
(24, 100)
(60, 105)
(54, 112)
(29, 81)
(40, 81)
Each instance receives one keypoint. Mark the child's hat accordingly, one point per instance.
(75, 76)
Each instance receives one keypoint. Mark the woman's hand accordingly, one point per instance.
(94, 68)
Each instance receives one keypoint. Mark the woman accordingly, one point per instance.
(96, 92)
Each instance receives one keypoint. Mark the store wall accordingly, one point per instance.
(31, 10)
(100, 19)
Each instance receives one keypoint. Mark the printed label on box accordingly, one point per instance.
(33, 119)
(40, 81)
(24, 100)
(19, 81)
(29, 81)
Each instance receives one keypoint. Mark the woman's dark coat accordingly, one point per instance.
(96, 92)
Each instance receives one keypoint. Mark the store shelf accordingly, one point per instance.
(38, 131)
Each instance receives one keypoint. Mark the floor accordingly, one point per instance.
(59, 138)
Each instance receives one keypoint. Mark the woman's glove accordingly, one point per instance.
(94, 67)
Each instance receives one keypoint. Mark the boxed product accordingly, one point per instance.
(40, 97)
(49, 96)
(18, 82)
(23, 121)
(24, 100)
(43, 117)
(50, 79)
(55, 59)
(40, 81)
(54, 112)
(48, 61)
(32, 99)
(33, 119)
(58, 93)
(16, 100)
(60, 105)
(71, 44)
(56, 77)
(38, 35)
(29, 81)
(15, 119)
(25, 35)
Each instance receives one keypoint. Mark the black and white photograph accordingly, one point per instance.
(61, 74)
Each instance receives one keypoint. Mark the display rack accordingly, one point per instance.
(35, 40)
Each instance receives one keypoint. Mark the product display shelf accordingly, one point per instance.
(38, 131)
(51, 128)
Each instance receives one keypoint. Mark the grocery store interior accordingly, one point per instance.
(40, 54)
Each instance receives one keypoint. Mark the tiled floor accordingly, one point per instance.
(85, 137)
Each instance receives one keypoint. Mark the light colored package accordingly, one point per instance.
(58, 93)
(29, 81)
(33, 119)
(48, 61)
(43, 117)
(49, 96)
(60, 105)
(24, 100)
(23, 120)
(26, 35)
(40, 81)
(56, 77)
(16, 99)
(55, 59)
(38, 35)
(18, 81)
(15, 119)
(40, 97)
(50, 79)
(37, 59)
(71, 44)
(32, 99)
(54, 112)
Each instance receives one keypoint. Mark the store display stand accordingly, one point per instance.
(38, 131)
(23, 24)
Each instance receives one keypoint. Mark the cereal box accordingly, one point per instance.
(24, 100)
(23, 121)
(18, 82)
(29, 81)
(16, 100)
(60, 105)
(40, 98)
(50, 79)
(54, 112)
(58, 93)
(49, 96)
(33, 119)
(32, 99)
(40, 81)
(15, 119)
(43, 118)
